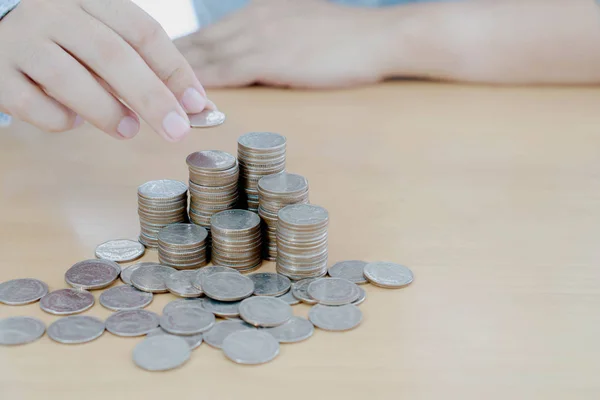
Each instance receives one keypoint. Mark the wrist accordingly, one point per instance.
(7, 6)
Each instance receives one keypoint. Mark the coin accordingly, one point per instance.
(67, 301)
(333, 291)
(335, 318)
(289, 298)
(125, 297)
(206, 119)
(22, 291)
(180, 283)
(294, 330)
(361, 297)
(194, 341)
(186, 302)
(215, 335)
(300, 290)
(126, 272)
(161, 353)
(76, 329)
(265, 311)
(223, 309)
(120, 250)
(202, 272)
(162, 189)
(212, 160)
(270, 284)
(132, 322)
(92, 274)
(151, 278)
(352, 270)
(20, 330)
(250, 346)
(227, 286)
(183, 246)
(388, 275)
(187, 320)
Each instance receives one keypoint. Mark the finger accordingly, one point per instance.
(111, 58)
(153, 44)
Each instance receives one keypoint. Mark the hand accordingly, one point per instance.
(307, 44)
(62, 62)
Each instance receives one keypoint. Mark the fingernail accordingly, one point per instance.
(128, 127)
(78, 121)
(193, 101)
(176, 126)
(211, 106)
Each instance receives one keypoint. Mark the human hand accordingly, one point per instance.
(62, 62)
(306, 44)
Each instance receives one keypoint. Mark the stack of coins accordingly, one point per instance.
(302, 241)
(259, 154)
(236, 240)
(183, 246)
(160, 203)
(275, 192)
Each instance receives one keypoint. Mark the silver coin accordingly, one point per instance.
(303, 214)
(215, 335)
(20, 330)
(181, 283)
(76, 329)
(213, 269)
(294, 330)
(262, 140)
(206, 119)
(194, 341)
(335, 318)
(161, 353)
(227, 286)
(265, 311)
(333, 291)
(92, 274)
(125, 297)
(289, 298)
(120, 250)
(182, 234)
(282, 183)
(361, 298)
(250, 346)
(213, 160)
(223, 309)
(67, 301)
(234, 220)
(352, 270)
(151, 278)
(270, 284)
(132, 322)
(189, 320)
(162, 189)
(196, 302)
(22, 291)
(126, 272)
(388, 275)
(300, 290)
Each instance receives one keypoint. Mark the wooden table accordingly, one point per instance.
(490, 195)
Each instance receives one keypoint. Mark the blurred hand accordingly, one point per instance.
(62, 62)
(306, 44)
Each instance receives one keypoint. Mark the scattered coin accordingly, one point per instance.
(20, 330)
(351, 270)
(120, 250)
(125, 297)
(151, 278)
(333, 291)
(161, 353)
(294, 330)
(206, 119)
(289, 298)
(22, 291)
(189, 320)
(250, 346)
(215, 335)
(205, 271)
(300, 290)
(92, 274)
(388, 275)
(265, 311)
(185, 302)
(126, 272)
(194, 341)
(335, 318)
(270, 284)
(223, 309)
(227, 286)
(361, 297)
(76, 329)
(180, 283)
(132, 322)
(67, 301)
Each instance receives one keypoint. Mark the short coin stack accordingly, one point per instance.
(183, 246)
(275, 192)
(160, 203)
(259, 154)
(236, 240)
(302, 241)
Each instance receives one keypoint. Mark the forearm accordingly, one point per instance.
(497, 41)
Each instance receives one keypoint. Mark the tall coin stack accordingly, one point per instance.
(259, 154)
(302, 241)
(160, 203)
(275, 192)
(182, 246)
(236, 240)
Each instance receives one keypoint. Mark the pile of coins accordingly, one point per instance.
(183, 246)
(302, 241)
(275, 192)
(259, 154)
(236, 240)
(160, 203)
